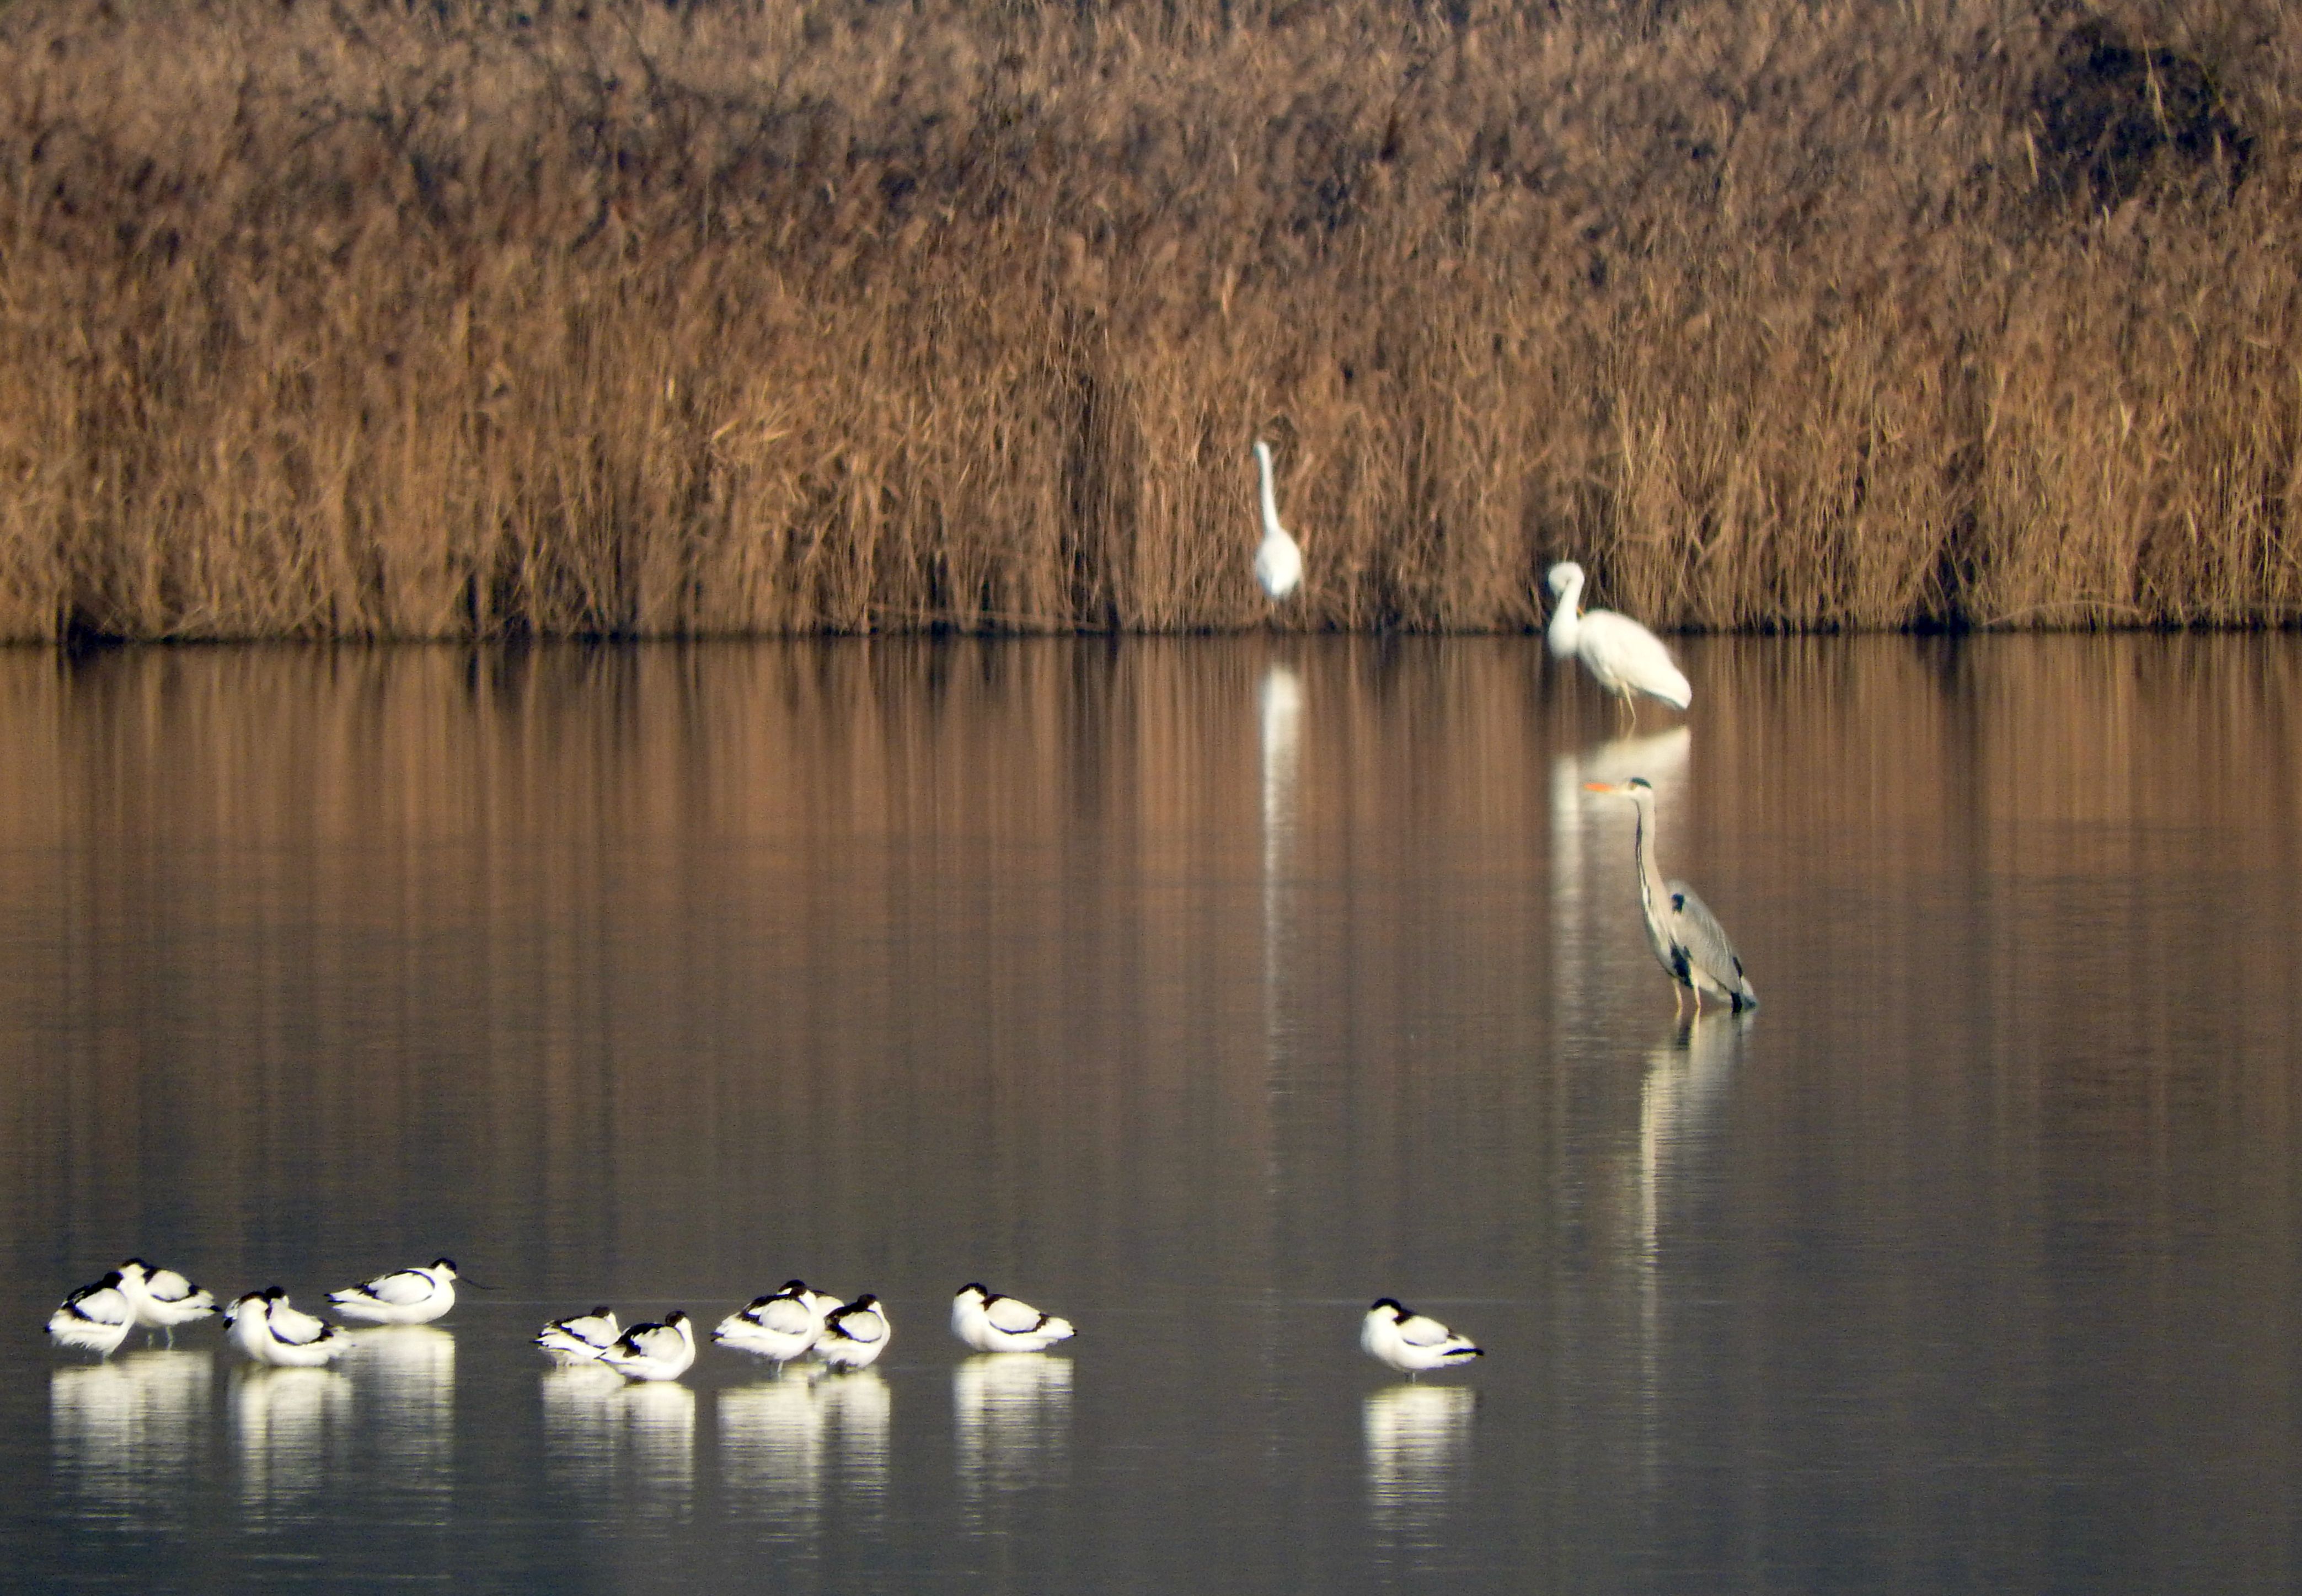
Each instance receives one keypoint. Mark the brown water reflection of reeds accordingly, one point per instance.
(651, 913)
(441, 321)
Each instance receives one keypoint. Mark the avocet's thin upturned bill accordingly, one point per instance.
(990, 1323)
(1410, 1342)
(96, 1316)
(855, 1335)
(403, 1296)
(662, 1351)
(1278, 562)
(265, 1327)
(581, 1338)
(162, 1297)
(1688, 941)
(780, 1326)
(1621, 655)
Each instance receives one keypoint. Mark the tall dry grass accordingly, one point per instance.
(366, 320)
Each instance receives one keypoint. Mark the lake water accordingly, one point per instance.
(1201, 991)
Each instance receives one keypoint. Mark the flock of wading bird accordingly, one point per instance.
(781, 1327)
(798, 1322)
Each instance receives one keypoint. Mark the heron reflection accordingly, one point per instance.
(408, 1380)
(288, 1427)
(1012, 1412)
(772, 1436)
(1686, 1082)
(1417, 1439)
(125, 1431)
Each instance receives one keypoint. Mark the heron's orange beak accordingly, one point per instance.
(1596, 787)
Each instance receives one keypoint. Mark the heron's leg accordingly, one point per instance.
(1691, 986)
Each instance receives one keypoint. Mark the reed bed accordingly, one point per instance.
(364, 320)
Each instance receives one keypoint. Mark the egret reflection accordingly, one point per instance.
(128, 1433)
(1012, 1413)
(1418, 1437)
(407, 1384)
(772, 1437)
(288, 1426)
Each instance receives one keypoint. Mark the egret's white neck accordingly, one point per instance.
(1271, 527)
(1565, 618)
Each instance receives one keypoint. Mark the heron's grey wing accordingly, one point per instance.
(1707, 946)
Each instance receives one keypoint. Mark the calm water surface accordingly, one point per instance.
(1201, 991)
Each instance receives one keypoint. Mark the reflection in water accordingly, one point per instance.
(856, 1409)
(771, 1452)
(1013, 1415)
(655, 1452)
(584, 942)
(289, 1427)
(1417, 1438)
(1686, 1079)
(129, 1432)
(631, 1441)
(407, 1386)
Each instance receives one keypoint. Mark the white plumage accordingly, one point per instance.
(1622, 656)
(990, 1323)
(266, 1329)
(662, 1351)
(96, 1316)
(403, 1296)
(854, 1336)
(779, 1327)
(1278, 562)
(580, 1337)
(1411, 1342)
(162, 1297)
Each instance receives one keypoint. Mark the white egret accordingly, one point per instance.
(1688, 941)
(990, 1323)
(403, 1296)
(1278, 563)
(1411, 1342)
(854, 1336)
(1622, 656)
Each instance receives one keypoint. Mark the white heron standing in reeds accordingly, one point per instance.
(1278, 563)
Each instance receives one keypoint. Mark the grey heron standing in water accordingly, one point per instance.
(1688, 941)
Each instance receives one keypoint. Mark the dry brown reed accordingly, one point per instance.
(371, 320)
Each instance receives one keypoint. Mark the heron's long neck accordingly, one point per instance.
(1650, 884)
(1270, 499)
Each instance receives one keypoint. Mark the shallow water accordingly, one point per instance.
(1201, 991)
